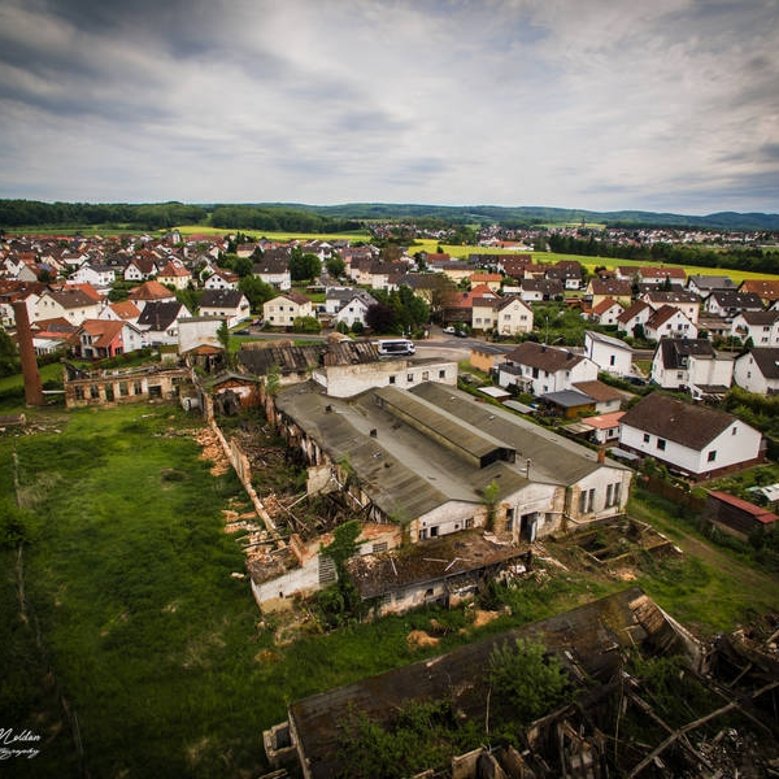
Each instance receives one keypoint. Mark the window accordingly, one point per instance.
(712, 456)
(734, 431)
(137, 388)
(410, 377)
(613, 492)
(93, 392)
(442, 374)
(613, 359)
(469, 523)
(646, 438)
(79, 392)
(380, 547)
(391, 379)
(661, 444)
(509, 520)
(434, 532)
(425, 375)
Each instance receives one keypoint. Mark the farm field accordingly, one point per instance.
(274, 236)
(164, 657)
(430, 245)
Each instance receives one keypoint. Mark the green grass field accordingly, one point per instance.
(357, 235)
(164, 656)
(430, 245)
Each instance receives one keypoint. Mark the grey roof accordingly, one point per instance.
(712, 282)
(554, 458)
(221, 298)
(405, 473)
(160, 315)
(760, 317)
(568, 398)
(731, 298)
(672, 296)
(676, 351)
(608, 339)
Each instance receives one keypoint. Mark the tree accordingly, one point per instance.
(243, 266)
(336, 267)
(306, 324)
(303, 267)
(256, 290)
(380, 318)
(9, 361)
(527, 680)
(223, 336)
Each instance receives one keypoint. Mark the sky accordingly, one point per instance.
(665, 105)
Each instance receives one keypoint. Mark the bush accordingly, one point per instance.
(306, 324)
(529, 681)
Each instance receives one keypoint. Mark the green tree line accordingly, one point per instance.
(282, 219)
(150, 216)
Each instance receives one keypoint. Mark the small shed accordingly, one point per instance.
(569, 403)
(737, 516)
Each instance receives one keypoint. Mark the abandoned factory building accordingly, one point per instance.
(436, 461)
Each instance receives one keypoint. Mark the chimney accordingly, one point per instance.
(527, 468)
(601, 455)
(33, 391)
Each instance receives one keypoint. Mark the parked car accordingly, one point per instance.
(461, 333)
(450, 330)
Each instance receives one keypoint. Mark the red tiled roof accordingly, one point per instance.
(759, 514)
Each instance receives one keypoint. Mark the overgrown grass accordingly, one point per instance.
(165, 658)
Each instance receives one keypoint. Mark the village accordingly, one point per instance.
(412, 430)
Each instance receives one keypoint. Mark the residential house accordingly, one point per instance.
(703, 286)
(486, 357)
(635, 315)
(695, 440)
(691, 363)
(150, 292)
(230, 304)
(512, 316)
(283, 310)
(569, 272)
(604, 397)
(536, 290)
(456, 270)
(657, 275)
(123, 310)
(669, 322)
(608, 353)
(762, 327)
(222, 279)
(766, 289)
(274, 270)
(541, 369)
(491, 280)
(141, 269)
(103, 338)
(607, 312)
(68, 302)
(683, 300)
(600, 289)
(174, 274)
(100, 276)
(159, 321)
(729, 302)
(355, 308)
(758, 370)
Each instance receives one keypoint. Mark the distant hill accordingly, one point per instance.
(313, 218)
(529, 215)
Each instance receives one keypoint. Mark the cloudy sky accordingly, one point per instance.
(602, 104)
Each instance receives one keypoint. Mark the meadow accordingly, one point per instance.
(161, 654)
(590, 263)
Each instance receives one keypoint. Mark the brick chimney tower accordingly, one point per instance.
(33, 391)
